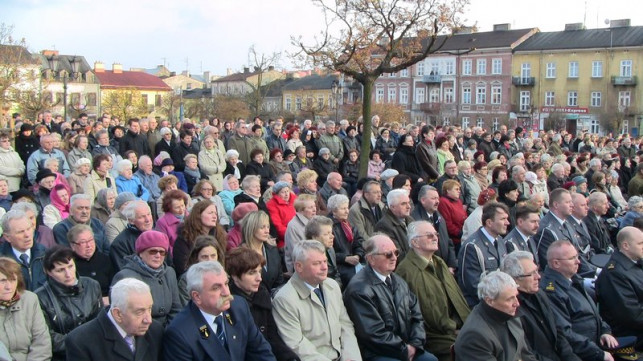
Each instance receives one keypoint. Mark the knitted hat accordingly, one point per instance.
(324, 151)
(486, 195)
(578, 180)
(279, 186)
(242, 209)
(568, 185)
(388, 174)
(44, 173)
(167, 161)
(477, 154)
(123, 198)
(82, 161)
(288, 153)
(149, 239)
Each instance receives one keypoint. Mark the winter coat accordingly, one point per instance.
(24, 331)
(135, 142)
(133, 185)
(428, 158)
(94, 183)
(75, 154)
(77, 182)
(405, 162)
(114, 225)
(375, 169)
(34, 276)
(169, 224)
(227, 197)
(344, 248)
(179, 152)
(454, 215)
(281, 213)
(213, 164)
(323, 168)
(12, 167)
(264, 171)
(334, 144)
(26, 145)
(37, 161)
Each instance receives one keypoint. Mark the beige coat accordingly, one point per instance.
(213, 163)
(115, 225)
(77, 182)
(24, 331)
(93, 184)
(313, 333)
(12, 167)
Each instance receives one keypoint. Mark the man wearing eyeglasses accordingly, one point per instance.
(442, 304)
(576, 313)
(386, 314)
(542, 334)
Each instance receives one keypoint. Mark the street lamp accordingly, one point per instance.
(336, 89)
(54, 65)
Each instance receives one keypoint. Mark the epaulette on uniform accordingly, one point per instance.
(611, 265)
(550, 287)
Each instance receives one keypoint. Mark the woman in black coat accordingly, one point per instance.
(258, 167)
(244, 267)
(405, 161)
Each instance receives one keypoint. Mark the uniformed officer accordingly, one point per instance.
(576, 313)
(483, 251)
(521, 238)
(620, 286)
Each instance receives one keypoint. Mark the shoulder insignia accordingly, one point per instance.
(550, 287)
(610, 266)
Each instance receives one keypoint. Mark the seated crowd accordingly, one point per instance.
(260, 241)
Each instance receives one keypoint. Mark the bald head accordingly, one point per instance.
(630, 243)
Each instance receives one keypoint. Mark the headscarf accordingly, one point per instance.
(57, 202)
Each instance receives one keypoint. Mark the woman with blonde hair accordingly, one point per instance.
(11, 166)
(255, 232)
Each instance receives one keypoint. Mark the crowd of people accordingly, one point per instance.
(147, 240)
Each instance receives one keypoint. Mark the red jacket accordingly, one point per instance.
(454, 216)
(281, 212)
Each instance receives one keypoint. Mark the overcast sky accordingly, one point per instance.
(214, 35)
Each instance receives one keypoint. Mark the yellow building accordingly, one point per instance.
(312, 96)
(580, 79)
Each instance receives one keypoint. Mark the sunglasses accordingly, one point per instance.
(389, 254)
(154, 252)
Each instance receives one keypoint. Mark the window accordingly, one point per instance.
(446, 121)
(551, 70)
(481, 94)
(320, 102)
(465, 122)
(496, 124)
(435, 68)
(525, 72)
(480, 122)
(379, 95)
(448, 95)
(496, 66)
(392, 75)
(449, 68)
(481, 66)
(158, 100)
(420, 68)
(626, 126)
(298, 103)
(331, 101)
(419, 96)
(288, 104)
(573, 69)
(404, 73)
(91, 99)
(144, 96)
(496, 94)
(466, 67)
(597, 69)
(525, 100)
(434, 95)
(466, 95)
(392, 95)
(595, 99)
(550, 99)
(404, 95)
(309, 102)
(572, 98)
(624, 98)
(626, 68)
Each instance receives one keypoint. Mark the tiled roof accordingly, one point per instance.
(137, 79)
(585, 39)
(13, 53)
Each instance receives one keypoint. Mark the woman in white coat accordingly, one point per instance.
(11, 166)
(212, 160)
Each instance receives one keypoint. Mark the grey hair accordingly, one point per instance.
(101, 196)
(144, 158)
(123, 165)
(76, 230)
(556, 167)
(412, 230)
(313, 227)
(165, 130)
(129, 211)
(511, 264)
(393, 196)
(303, 248)
(631, 203)
(595, 162)
(545, 157)
(120, 293)
(330, 123)
(51, 160)
(595, 197)
(335, 201)
(492, 283)
(27, 206)
(425, 190)
(557, 137)
(249, 179)
(230, 154)
(78, 197)
(517, 169)
(10, 216)
(196, 272)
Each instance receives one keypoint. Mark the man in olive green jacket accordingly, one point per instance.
(442, 304)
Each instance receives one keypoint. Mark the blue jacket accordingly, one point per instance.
(189, 337)
(34, 275)
(151, 182)
(133, 185)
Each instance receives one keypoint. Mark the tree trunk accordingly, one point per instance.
(366, 116)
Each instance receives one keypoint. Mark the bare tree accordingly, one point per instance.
(261, 63)
(364, 39)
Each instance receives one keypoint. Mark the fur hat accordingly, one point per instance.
(149, 239)
(242, 209)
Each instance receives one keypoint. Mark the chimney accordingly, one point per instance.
(185, 73)
(117, 68)
(502, 27)
(49, 52)
(228, 71)
(99, 67)
(246, 70)
(620, 23)
(206, 76)
(574, 27)
(271, 68)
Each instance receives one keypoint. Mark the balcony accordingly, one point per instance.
(523, 81)
(624, 80)
(430, 107)
(432, 79)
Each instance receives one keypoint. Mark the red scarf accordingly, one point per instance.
(348, 231)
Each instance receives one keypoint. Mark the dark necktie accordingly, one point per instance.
(220, 332)
(320, 295)
(24, 259)
(389, 283)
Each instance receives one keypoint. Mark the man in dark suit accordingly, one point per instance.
(577, 222)
(214, 326)
(427, 210)
(394, 221)
(521, 238)
(553, 226)
(125, 331)
(600, 238)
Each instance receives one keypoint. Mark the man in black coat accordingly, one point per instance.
(182, 149)
(139, 218)
(123, 332)
(600, 238)
(166, 144)
(620, 286)
(386, 314)
(521, 238)
(133, 140)
(541, 333)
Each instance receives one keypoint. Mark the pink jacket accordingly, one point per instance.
(234, 237)
(169, 225)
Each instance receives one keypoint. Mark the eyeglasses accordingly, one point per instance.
(572, 258)
(154, 252)
(389, 254)
(429, 235)
(530, 274)
(83, 243)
